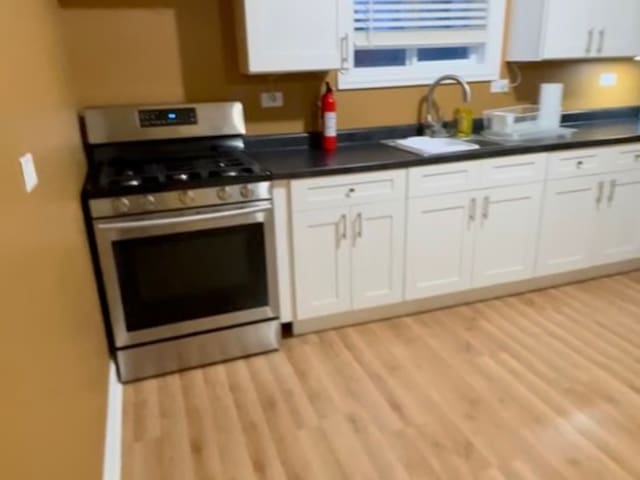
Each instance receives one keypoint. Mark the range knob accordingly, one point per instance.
(187, 197)
(247, 192)
(121, 205)
(224, 194)
(149, 202)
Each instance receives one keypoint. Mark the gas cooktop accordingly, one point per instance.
(219, 169)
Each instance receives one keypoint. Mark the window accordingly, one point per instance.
(412, 42)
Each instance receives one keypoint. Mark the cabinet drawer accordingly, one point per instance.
(445, 178)
(576, 163)
(502, 171)
(627, 157)
(342, 190)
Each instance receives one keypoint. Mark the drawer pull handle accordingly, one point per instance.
(637, 157)
(580, 164)
(350, 192)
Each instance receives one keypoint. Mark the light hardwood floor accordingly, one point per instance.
(544, 385)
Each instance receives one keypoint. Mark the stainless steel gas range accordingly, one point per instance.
(181, 227)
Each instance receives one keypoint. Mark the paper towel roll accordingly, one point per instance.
(550, 105)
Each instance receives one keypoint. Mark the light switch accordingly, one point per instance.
(29, 172)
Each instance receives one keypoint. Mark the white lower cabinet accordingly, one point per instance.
(506, 234)
(377, 256)
(439, 244)
(618, 225)
(473, 239)
(568, 225)
(589, 221)
(348, 258)
(322, 269)
(358, 243)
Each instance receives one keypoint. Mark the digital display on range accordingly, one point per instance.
(167, 117)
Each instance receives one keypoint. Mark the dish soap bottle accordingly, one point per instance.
(464, 122)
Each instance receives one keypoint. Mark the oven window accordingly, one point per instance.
(186, 276)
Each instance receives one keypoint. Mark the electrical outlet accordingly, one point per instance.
(500, 86)
(608, 79)
(29, 172)
(271, 99)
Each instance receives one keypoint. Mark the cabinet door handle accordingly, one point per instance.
(344, 51)
(357, 227)
(473, 207)
(601, 40)
(600, 193)
(485, 208)
(612, 192)
(590, 40)
(341, 228)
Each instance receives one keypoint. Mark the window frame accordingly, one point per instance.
(423, 73)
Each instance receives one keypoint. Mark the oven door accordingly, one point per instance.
(172, 274)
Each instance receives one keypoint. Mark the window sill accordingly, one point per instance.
(353, 81)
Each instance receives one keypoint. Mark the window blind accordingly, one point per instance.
(412, 23)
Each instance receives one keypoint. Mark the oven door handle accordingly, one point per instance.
(178, 220)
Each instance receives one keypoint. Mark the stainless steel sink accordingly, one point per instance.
(482, 142)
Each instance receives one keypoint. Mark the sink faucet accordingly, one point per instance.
(434, 125)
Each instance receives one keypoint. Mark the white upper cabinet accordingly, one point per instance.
(564, 29)
(618, 28)
(289, 35)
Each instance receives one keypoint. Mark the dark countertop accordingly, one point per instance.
(369, 155)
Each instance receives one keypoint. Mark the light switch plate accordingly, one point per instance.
(500, 86)
(608, 79)
(271, 99)
(29, 172)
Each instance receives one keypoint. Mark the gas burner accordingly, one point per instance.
(130, 182)
(184, 176)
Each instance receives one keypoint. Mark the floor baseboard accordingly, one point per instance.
(113, 437)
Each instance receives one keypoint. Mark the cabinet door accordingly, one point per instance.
(618, 228)
(439, 244)
(617, 23)
(507, 234)
(377, 256)
(290, 35)
(567, 32)
(568, 225)
(321, 252)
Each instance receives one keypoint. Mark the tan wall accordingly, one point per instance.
(53, 359)
(146, 51)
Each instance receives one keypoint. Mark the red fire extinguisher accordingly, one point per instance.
(329, 120)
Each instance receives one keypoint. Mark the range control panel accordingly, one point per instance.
(167, 117)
